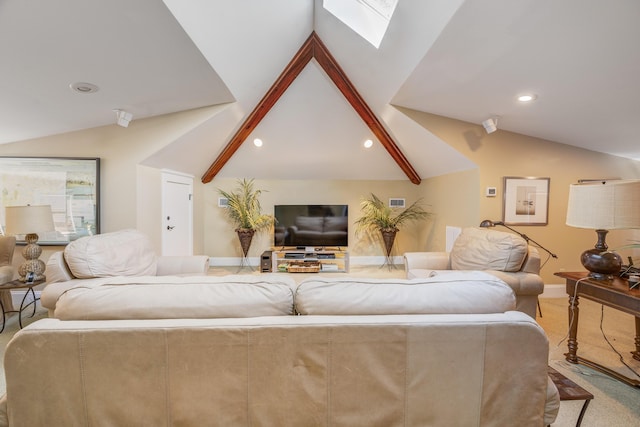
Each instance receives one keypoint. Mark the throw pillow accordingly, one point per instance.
(120, 253)
(485, 249)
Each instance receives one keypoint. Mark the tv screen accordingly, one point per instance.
(311, 225)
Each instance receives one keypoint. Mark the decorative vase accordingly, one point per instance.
(245, 236)
(388, 237)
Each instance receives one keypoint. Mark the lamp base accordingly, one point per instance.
(32, 269)
(602, 265)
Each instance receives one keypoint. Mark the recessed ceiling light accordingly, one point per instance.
(527, 97)
(81, 87)
(257, 142)
(368, 143)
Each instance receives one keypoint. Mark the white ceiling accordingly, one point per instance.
(462, 59)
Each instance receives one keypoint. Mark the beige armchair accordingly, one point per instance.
(7, 246)
(505, 255)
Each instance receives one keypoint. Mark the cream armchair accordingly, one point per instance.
(505, 255)
(7, 247)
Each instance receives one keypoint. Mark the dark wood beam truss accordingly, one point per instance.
(312, 48)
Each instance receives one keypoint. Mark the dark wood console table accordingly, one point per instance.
(614, 293)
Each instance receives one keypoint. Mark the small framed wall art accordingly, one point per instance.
(526, 201)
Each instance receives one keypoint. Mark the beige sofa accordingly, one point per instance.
(504, 255)
(125, 253)
(438, 351)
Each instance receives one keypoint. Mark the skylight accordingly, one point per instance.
(368, 18)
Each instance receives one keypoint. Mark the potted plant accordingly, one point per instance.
(244, 210)
(378, 217)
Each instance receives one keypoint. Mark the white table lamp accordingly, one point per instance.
(28, 221)
(604, 206)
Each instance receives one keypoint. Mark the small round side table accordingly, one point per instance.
(17, 284)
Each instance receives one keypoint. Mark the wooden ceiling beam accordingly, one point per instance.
(339, 78)
(290, 73)
(312, 48)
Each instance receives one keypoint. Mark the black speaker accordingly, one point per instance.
(265, 262)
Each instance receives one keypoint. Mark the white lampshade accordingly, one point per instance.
(609, 206)
(28, 219)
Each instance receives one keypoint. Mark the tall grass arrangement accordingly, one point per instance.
(244, 208)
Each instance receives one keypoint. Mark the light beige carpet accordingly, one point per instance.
(615, 404)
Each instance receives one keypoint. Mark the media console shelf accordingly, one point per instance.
(303, 261)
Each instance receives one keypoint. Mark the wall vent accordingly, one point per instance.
(396, 203)
(223, 202)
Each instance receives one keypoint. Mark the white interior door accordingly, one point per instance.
(177, 214)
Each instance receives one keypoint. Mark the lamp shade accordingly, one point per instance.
(604, 206)
(28, 219)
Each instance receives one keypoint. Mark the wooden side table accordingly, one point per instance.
(568, 390)
(614, 293)
(17, 284)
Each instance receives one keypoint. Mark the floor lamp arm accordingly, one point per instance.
(487, 223)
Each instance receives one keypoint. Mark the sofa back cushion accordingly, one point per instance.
(453, 292)
(485, 249)
(120, 253)
(173, 297)
(473, 370)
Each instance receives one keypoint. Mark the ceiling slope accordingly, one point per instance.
(580, 57)
(313, 48)
(135, 52)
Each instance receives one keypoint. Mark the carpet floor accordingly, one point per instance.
(615, 404)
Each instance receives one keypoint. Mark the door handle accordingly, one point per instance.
(169, 227)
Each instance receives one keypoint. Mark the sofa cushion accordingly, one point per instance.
(120, 253)
(172, 297)
(460, 292)
(484, 249)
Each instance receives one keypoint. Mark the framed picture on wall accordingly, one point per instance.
(526, 201)
(71, 186)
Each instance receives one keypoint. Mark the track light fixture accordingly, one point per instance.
(490, 125)
(123, 118)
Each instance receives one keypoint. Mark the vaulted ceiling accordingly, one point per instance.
(462, 59)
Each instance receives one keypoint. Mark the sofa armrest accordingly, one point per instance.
(196, 265)
(57, 269)
(4, 417)
(552, 405)
(427, 261)
(532, 262)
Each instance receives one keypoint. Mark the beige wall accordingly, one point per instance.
(221, 240)
(131, 192)
(504, 153)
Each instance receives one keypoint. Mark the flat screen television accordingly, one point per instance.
(304, 226)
